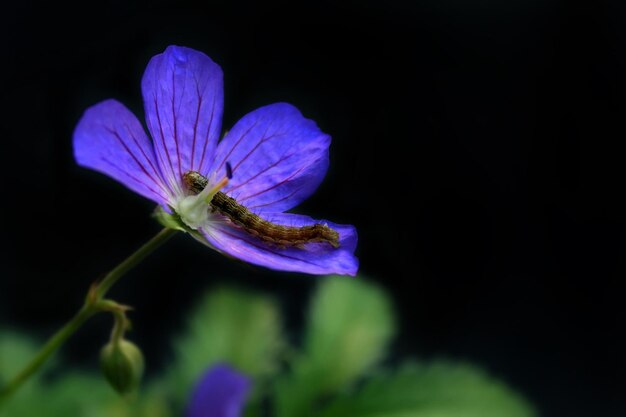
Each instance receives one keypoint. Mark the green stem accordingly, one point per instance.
(133, 260)
(90, 308)
(47, 350)
(119, 326)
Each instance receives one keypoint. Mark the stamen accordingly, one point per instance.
(208, 193)
(229, 171)
(194, 209)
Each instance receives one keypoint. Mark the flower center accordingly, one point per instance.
(194, 209)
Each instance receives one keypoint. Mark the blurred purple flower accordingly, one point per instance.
(278, 159)
(221, 392)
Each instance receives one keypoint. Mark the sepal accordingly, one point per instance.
(170, 220)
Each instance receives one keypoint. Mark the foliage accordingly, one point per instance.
(350, 326)
(231, 326)
(439, 389)
(337, 371)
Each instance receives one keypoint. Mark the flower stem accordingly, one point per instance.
(141, 253)
(92, 306)
(47, 350)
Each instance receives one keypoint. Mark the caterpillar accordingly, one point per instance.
(282, 236)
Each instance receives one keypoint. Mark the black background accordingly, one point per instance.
(502, 121)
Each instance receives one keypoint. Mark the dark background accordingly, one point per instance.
(478, 146)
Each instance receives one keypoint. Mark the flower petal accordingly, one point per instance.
(221, 392)
(278, 158)
(184, 99)
(110, 139)
(314, 258)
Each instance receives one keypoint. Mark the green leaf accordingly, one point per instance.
(73, 395)
(80, 394)
(15, 352)
(351, 323)
(439, 389)
(350, 326)
(239, 328)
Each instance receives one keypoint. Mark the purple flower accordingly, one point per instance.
(271, 160)
(221, 392)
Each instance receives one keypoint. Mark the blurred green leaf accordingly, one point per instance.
(75, 394)
(437, 390)
(240, 328)
(151, 401)
(79, 394)
(350, 326)
(15, 352)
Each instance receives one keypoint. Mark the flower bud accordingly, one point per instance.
(122, 363)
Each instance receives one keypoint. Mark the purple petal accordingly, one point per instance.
(110, 139)
(278, 158)
(314, 258)
(184, 98)
(221, 392)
